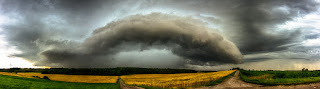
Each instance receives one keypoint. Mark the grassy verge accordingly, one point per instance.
(286, 78)
(212, 83)
(13, 82)
(148, 87)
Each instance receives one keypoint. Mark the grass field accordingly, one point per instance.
(14, 82)
(280, 77)
(182, 80)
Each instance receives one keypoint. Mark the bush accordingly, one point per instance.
(45, 77)
(36, 76)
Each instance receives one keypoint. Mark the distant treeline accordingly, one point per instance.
(283, 74)
(22, 70)
(115, 71)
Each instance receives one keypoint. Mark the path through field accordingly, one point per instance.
(124, 86)
(234, 82)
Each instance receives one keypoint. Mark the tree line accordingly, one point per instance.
(115, 71)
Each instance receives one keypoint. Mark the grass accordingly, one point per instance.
(14, 82)
(148, 87)
(280, 77)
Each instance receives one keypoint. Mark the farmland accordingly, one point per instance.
(280, 77)
(14, 82)
(114, 71)
(76, 78)
(101, 71)
(33, 80)
(182, 80)
(68, 78)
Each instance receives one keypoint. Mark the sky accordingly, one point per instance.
(191, 34)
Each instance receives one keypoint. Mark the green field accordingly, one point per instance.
(280, 77)
(13, 82)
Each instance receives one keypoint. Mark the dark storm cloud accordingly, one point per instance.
(256, 59)
(306, 53)
(251, 24)
(186, 37)
(41, 24)
(255, 21)
(54, 30)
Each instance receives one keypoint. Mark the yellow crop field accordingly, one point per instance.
(174, 80)
(13, 74)
(68, 78)
(76, 78)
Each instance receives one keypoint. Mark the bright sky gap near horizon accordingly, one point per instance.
(201, 35)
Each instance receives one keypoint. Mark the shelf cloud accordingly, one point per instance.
(185, 37)
(159, 33)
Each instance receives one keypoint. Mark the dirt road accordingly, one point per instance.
(124, 86)
(234, 82)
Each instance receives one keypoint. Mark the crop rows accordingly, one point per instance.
(68, 78)
(280, 77)
(174, 80)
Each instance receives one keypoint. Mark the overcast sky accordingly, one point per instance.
(193, 34)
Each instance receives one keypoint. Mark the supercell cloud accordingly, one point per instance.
(185, 37)
(156, 33)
